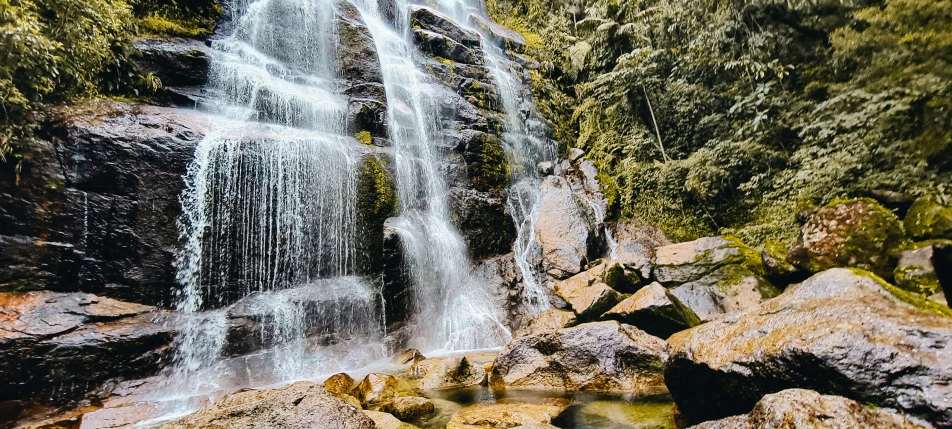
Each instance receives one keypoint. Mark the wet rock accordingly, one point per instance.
(429, 19)
(387, 421)
(97, 202)
(799, 408)
(549, 320)
(450, 373)
(176, 61)
(728, 289)
(339, 384)
(302, 405)
(587, 295)
(62, 346)
(408, 407)
(357, 52)
(124, 417)
(655, 310)
(440, 46)
(409, 357)
(841, 332)
(915, 271)
(507, 415)
(604, 356)
(499, 35)
(853, 233)
(927, 219)
(685, 262)
(484, 221)
(546, 168)
(565, 228)
(499, 273)
(376, 389)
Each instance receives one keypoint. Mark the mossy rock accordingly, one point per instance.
(916, 300)
(686, 262)
(486, 163)
(858, 233)
(915, 271)
(376, 191)
(928, 219)
(487, 227)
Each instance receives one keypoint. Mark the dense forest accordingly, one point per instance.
(733, 116)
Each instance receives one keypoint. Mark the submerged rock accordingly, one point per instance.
(853, 233)
(655, 310)
(302, 405)
(604, 356)
(507, 415)
(62, 346)
(799, 408)
(841, 332)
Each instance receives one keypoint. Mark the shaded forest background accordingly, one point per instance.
(714, 116)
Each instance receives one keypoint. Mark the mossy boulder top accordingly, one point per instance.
(928, 219)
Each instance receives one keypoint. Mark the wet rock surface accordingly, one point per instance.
(408, 407)
(603, 356)
(799, 408)
(507, 415)
(63, 346)
(302, 405)
(450, 373)
(841, 332)
(566, 229)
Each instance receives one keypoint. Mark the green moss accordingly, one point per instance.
(364, 137)
(610, 190)
(161, 25)
(918, 301)
(377, 193)
(486, 163)
(927, 218)
(617, 277)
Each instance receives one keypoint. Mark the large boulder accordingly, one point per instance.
(655, 310)
(852, 233)
(95, 205)
(841, 332)
(505, 415)
(376, 389)
(549, 320)
(927, 219)
(587, 296)
(690, 261)
(799, 408)
(566, 229)
(62, 346)
(302, 405)
(727, 289)
(408, 407)
(602, 356)
(636, 242)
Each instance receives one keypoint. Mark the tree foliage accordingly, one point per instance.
(763, 107)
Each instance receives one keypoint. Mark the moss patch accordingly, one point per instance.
(918, 301)
(927, 218)
(364, 137)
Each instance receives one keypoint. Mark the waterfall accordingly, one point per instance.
(525, 143)
(451, 309)
(270, 208)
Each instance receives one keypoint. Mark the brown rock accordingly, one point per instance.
(339, 384)
(387, 421)
(728, 289)
(507, 415)
(409, 357)
(375, 389)
(841, 332)
(451, 373)
(685, 262)
(853, 233)
(566, 228)
(587, 295)
(302, 405)
(552, 319)
(605, 356)
(655, 310)
(408, 407)
(798, 408)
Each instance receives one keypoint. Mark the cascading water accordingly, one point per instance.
(525, 143)
(270, 207)
(452, 310)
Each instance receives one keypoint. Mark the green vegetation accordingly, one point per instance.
(58, 51)
(731, 116)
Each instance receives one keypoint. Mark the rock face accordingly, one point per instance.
(798, 408)
(841, 332)
(62, 346)
(853, 233)
(604, 356)
(507, 415)
(96, 205)
(302, 405)
(566, 228)
(181, 64)
(655, 310)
